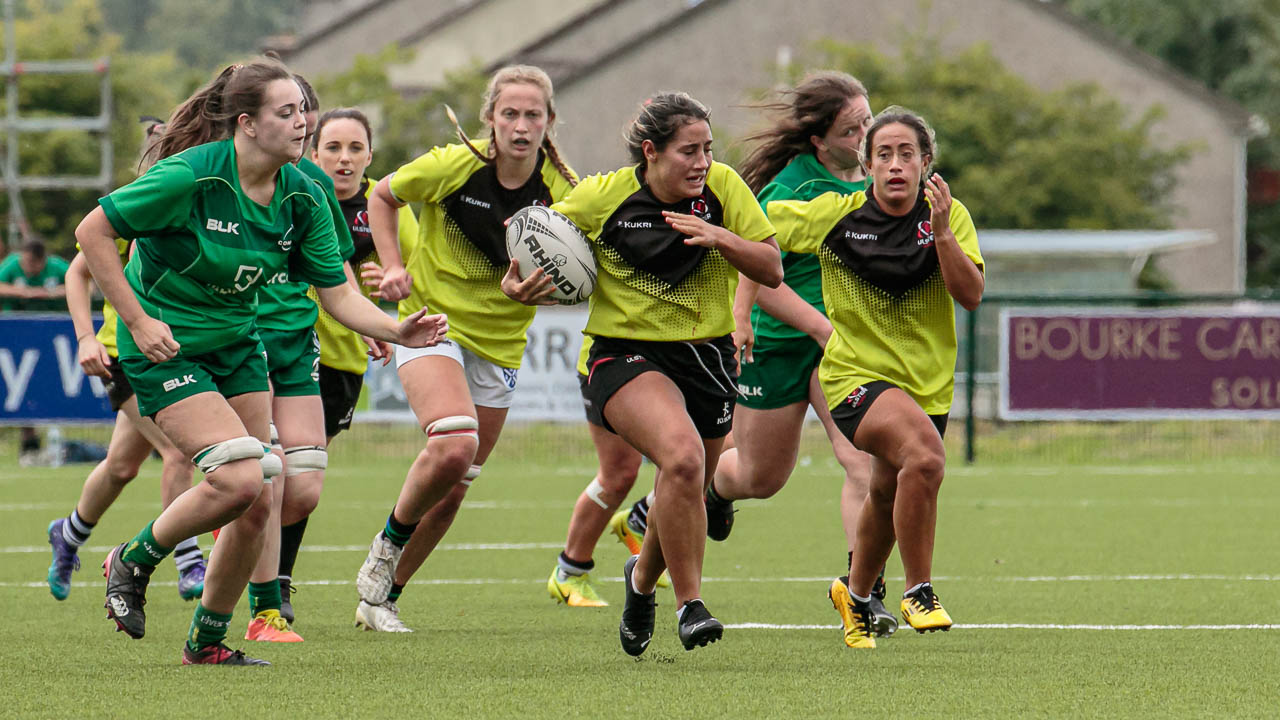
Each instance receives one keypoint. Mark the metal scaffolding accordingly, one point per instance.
(13, 126)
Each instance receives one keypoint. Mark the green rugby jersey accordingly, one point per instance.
(804, 178)
(892, 316)
(283, 303)
(204, 248)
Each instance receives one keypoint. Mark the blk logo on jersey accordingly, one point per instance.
(924, 234)
(230, 228)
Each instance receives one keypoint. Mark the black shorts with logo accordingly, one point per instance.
(118, 388)
(849, 413)
(339, 391)
(706, 374)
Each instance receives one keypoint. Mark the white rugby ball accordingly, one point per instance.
(539, 237)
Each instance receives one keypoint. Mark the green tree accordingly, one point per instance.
(1232, 46)
(1020, 157)
(141, 83)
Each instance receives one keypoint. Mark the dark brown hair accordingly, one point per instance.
(808, 109)
(924, 134)
(347, 113)
(213, 111)
(660, 118)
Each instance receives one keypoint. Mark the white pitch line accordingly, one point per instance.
(20, 549)
(1017, 626)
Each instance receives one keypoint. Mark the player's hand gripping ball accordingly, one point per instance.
(541, 238)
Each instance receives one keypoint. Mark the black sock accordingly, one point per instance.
(397, 532)
(715, 496)
(396, 590)
(639, 517)
(290, 541)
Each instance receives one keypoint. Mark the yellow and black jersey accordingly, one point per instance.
(461, 253)
(341, 348)
(650, 284)
(893, 317)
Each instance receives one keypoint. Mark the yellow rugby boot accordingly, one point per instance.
(632, 539)
(855, 616)
(922, 610)
(574, 590)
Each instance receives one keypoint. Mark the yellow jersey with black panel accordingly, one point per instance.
(461, 253)
(650, 284)
(341, 348)
(882, 284)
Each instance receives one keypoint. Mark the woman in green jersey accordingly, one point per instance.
(812, 148)
(221, 212)
(343, 151)
(461, 390)
(132, 439)
(286, 318)
(670, 235)
(895, 260)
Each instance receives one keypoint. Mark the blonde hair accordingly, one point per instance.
(516, 75)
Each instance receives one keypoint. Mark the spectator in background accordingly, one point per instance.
(31, 279)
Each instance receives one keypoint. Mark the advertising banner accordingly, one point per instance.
(1098, 364)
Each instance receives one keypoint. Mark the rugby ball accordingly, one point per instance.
(539, 237)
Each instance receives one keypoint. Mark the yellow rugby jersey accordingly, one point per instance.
(893, 317)
(650, 285)
(340, 348)
(461, 252)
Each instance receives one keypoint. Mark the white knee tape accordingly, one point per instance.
(271, 466)
(472, 473)
(275, 437)
(305, 459)
(219, 454)
(454, 426)
(594, 491)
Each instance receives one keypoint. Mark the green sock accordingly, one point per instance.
(264, 596)
(144, 549)
(207, 628)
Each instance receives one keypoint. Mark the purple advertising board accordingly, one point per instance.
(1099, 364)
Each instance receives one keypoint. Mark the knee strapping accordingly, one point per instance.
(271, 465)
(454, 426)
(594, 491)
(305, 459)
(472, 473)
(275, 437)
(227, 451)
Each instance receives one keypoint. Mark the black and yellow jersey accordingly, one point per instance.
(650, 284)
(892, 316)
(461, 253)
(340, 348)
